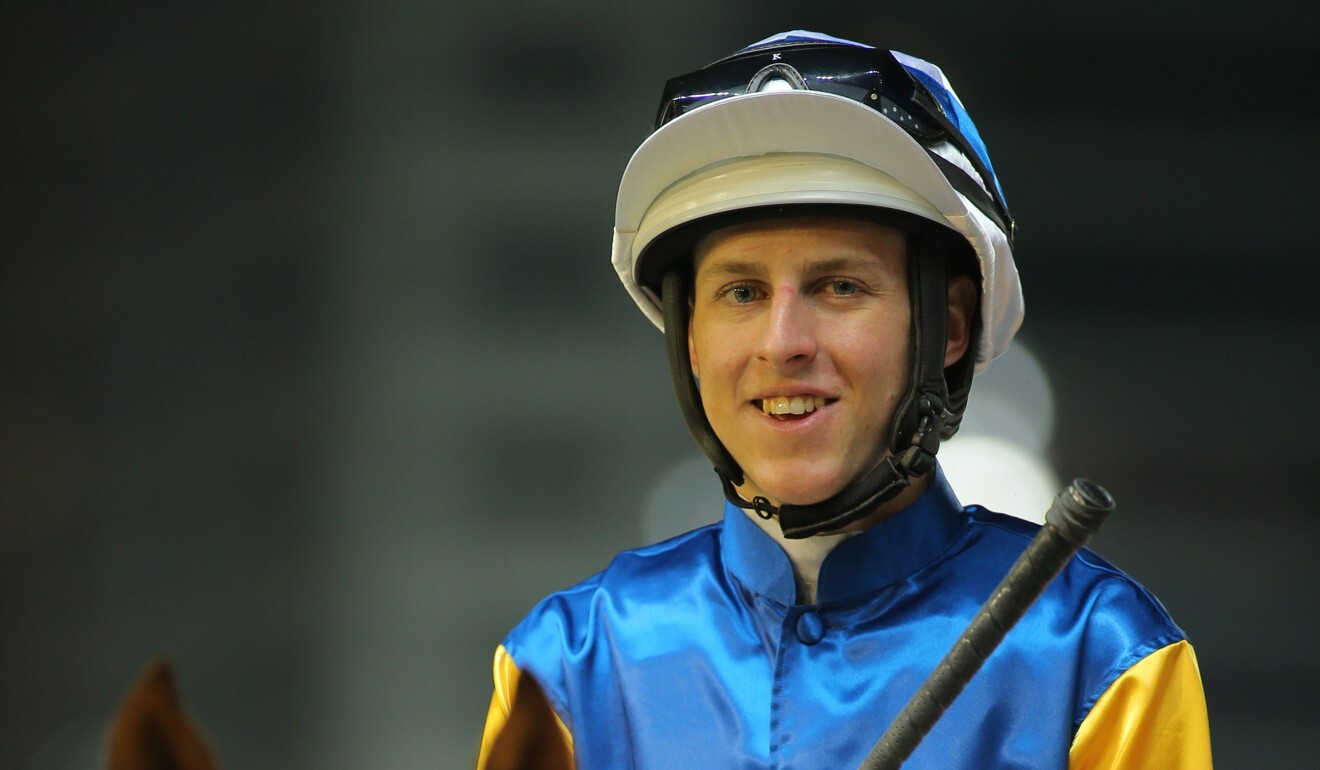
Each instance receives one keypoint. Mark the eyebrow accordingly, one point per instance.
(842, 263)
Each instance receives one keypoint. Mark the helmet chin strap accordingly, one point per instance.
(918, 424)
(856, 501)
(861, 498)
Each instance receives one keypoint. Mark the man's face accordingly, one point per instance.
(809, 316)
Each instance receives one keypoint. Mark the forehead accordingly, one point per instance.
(802, 241)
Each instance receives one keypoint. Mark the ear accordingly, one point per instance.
(962, 304)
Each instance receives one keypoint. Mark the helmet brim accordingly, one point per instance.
(785, 122)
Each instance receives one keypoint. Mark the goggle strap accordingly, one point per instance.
(987, 199)
(963, 182)
(938, 111)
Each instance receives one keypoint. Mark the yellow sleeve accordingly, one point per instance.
(527, 735)
(1153, 717)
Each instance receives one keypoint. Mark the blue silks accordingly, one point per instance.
(692, 653)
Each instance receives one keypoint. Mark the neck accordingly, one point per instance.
(808, 554)
(805, 554)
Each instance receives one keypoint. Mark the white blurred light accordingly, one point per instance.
(999, 475)
(1013, 401)
(998, 457)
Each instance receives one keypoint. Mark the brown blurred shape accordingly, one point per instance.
(151, 731)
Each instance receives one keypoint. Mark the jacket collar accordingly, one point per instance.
(883, 555)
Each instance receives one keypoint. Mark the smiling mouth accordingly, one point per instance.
(782, 406)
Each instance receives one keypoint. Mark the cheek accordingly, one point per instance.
(705, 357)
(700, 349)
(717, 365)
(691, 340)
(877, 363)
(707, 347)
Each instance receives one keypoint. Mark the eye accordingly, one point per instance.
(741, 294)
(843, 288)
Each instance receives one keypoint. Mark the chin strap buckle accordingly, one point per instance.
(759, 505)
(919, 458)
(763, 508)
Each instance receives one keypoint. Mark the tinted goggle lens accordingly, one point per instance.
(873, 77)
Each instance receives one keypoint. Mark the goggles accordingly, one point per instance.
(911, 99)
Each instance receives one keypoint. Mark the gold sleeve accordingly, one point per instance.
(1153, 717)
(517, 732)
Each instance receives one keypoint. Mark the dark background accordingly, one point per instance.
(315, 374)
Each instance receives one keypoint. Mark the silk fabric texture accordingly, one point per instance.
(692, 653)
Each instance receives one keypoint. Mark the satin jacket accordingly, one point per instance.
(692, 653)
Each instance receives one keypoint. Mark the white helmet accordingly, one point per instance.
(806, 120)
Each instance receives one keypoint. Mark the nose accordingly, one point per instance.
(787, 339)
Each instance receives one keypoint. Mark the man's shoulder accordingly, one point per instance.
(664, 560)
(638, 576)
(1111, 619)
(1099, 619)
(1089, 581)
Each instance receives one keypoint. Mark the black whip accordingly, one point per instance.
(1075, 516)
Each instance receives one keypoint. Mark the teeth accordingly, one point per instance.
(791, 404)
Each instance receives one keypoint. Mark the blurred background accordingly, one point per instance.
(315, 375)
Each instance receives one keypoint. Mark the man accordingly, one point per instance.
(817, 228)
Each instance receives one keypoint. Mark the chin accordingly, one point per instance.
(795, 486)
